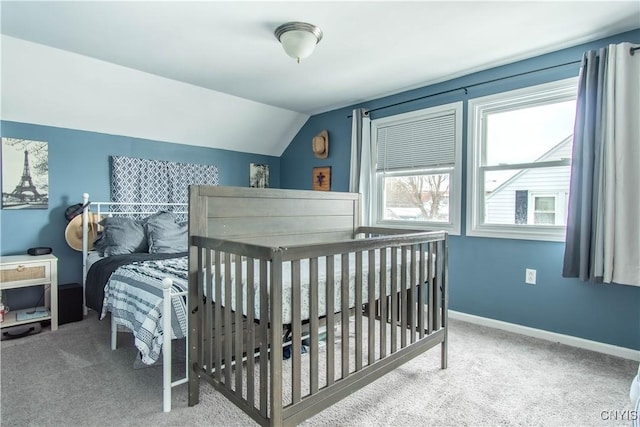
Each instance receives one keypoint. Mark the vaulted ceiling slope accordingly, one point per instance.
(213, 74)
(53, 87)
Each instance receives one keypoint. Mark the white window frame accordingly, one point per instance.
(557, 91)
(455, 181)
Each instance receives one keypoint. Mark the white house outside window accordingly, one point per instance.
(519, 154)
(417, 169)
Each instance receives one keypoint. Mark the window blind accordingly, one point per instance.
(421, 143)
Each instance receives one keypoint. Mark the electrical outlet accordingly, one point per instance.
(530, 276)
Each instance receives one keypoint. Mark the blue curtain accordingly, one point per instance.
(603, 226)
(586, 161)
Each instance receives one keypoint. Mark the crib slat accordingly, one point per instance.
(239, 330)
(275, 336)
(202, 320)
(330, 319)
(436, 303)
(251, 339)
(412, 294)
(371, 307)
(296, 336)
(358, 314)
(228, 333)
(430, 273)
(444, 272)
(421, 293)
(217, 319)
(208, 313)
(313, 324)
(344, 301)
(394, 299)
(403, 297)
(264, 339)
(196, 308)
(384, 314)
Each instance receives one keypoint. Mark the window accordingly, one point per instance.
(418, 169)
(520, 145)
(544, 210)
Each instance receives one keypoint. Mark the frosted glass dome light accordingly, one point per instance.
(299, 39)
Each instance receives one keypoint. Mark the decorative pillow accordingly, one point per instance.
(121, 236)
(160, 219)
(164, 235)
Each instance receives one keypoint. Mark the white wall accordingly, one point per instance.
(48, 86)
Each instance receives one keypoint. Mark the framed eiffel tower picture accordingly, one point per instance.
(25, 174)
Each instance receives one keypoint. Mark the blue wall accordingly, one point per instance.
(486, 274)
(79, 163)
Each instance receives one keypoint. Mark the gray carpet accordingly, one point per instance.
(71, 378)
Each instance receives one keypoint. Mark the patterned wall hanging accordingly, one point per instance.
(135, 180)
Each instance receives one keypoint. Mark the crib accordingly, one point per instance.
(293, 305)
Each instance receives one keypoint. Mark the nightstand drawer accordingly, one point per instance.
(25, 273)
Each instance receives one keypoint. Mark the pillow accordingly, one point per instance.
(164, 235)
(160, 219)
(121, 236)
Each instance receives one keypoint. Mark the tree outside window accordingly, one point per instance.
(417, 197)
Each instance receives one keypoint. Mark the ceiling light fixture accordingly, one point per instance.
(298, 39)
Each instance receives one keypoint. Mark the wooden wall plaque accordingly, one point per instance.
(322, 178)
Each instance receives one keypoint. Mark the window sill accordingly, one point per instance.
(548, 234)
(451, 229)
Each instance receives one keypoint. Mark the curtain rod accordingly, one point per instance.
(473, 85)
(633, 50)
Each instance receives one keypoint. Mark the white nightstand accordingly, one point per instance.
(22, 271)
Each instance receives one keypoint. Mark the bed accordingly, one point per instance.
(136, 274)
(276, 273)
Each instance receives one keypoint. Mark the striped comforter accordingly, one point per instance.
(134, 297)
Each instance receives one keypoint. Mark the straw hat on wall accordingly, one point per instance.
(320, 145)
(73, 232)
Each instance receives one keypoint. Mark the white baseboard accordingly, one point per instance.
(613, 350)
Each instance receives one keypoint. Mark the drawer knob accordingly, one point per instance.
(20, 267)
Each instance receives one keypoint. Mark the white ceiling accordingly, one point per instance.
(211, 73)
(369, 49)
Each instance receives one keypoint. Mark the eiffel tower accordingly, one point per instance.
(26, 184)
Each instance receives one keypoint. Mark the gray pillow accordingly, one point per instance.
(121, 236)
(160, 219)
(164, 235)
